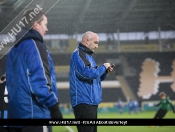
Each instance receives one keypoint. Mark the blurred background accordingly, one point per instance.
(138, 36)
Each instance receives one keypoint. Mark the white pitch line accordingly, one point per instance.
(69, 129)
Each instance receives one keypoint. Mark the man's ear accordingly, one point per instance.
(35, 25)
(87, 42)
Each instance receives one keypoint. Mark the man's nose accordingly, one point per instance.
(46, 29)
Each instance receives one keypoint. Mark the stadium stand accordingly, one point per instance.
(165, 62)
(134, 62)
(129, 67)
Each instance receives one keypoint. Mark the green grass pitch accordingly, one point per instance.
(149, 114)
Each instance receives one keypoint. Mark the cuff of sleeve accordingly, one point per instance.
(104, 67)
(55, 106)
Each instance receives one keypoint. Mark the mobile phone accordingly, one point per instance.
(112, 65)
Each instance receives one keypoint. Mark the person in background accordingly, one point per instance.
(30, 75)
(164, 105)
(130, 106)
(135, 106)
(120, 106)
(3, 98)
(140, 103)
(85, 80)
(3, 102)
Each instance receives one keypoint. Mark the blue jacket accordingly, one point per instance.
(31, 81)
(85, 77)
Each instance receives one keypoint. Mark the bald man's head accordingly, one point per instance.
(90, 40)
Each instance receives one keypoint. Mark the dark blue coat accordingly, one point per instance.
(31, 80)
(85, 77)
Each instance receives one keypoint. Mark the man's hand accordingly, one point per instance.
(107, 65)
(110, 68)
(55, 112)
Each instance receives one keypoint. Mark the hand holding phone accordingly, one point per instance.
(109, 68)
(112, 66)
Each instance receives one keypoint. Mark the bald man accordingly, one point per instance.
(85, 80)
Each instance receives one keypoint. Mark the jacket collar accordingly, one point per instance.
(27, 34)
(85, 49)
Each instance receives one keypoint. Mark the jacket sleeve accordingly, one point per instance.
(103, 77)
(53, 75)
(38, 71)
(157, 104)
(84, 70)
(171, 105)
